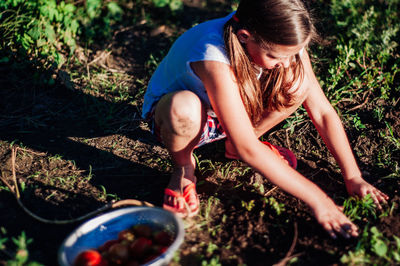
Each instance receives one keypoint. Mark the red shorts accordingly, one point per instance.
(212, 131)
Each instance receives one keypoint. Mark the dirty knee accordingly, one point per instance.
(186, 114)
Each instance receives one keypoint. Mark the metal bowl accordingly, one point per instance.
(100, 229)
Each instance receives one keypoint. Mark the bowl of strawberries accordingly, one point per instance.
(127, 236)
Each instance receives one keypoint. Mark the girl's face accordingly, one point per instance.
(273, 57)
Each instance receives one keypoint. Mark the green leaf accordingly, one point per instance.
(49, 32)
(93, 8)
(175, 5)
(375, 231)
(160, 3)
(69, 8)
(34, 33)
(397, 239)
(114, 9)
(396, 255)
(74, 26)
(380, 248)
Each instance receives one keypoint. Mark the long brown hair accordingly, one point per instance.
(271, 22)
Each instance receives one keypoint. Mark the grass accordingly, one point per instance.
(358, 70)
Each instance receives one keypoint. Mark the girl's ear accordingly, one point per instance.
(243, 35)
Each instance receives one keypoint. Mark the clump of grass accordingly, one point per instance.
(358, 209)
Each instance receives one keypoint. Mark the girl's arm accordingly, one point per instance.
(223, 92)
(330, 128)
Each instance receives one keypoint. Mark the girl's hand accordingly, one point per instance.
(357, 186)
(332, 219)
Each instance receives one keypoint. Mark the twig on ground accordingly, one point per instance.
(362, 104)
(289, 255)
(270, 191)
(13, 158)
(287, 138)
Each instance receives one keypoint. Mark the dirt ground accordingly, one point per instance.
(79, 150)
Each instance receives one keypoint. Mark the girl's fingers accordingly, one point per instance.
(378, 197)
(350, 228)
(383, 195)
(344, 227)
(328, 228)
(376, 201)
(340, 229)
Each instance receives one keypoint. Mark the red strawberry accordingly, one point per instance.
(90, 257)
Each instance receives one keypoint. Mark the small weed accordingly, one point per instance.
(214, 261)
(20, 256)
(211, 202)
(373, 248)
(205, 166)
(104, 195)
(357, 209)
(278, 207)
(389, 135)
(173, 5)
(357, 122)
(259, 188)
(248, 205)
(56, 157)
(211, 247)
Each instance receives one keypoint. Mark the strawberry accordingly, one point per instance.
(90, 257)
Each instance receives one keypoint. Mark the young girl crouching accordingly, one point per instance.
(237, 77)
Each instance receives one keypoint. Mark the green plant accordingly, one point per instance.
(373, 248)
(172, 4)
(389, 135)
(214, 261)
(20, 256)
(248, 205)
(278, 207)
(104, 195)
(211, 202)
(357, 209)
(46, 30)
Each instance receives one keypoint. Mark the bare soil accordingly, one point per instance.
(67, 134)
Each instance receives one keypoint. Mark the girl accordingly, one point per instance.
(237, 77)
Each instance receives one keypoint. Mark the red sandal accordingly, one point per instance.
(192, 199)
(286, 154)
(187, 203)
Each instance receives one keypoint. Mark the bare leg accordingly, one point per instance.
(180, 116)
